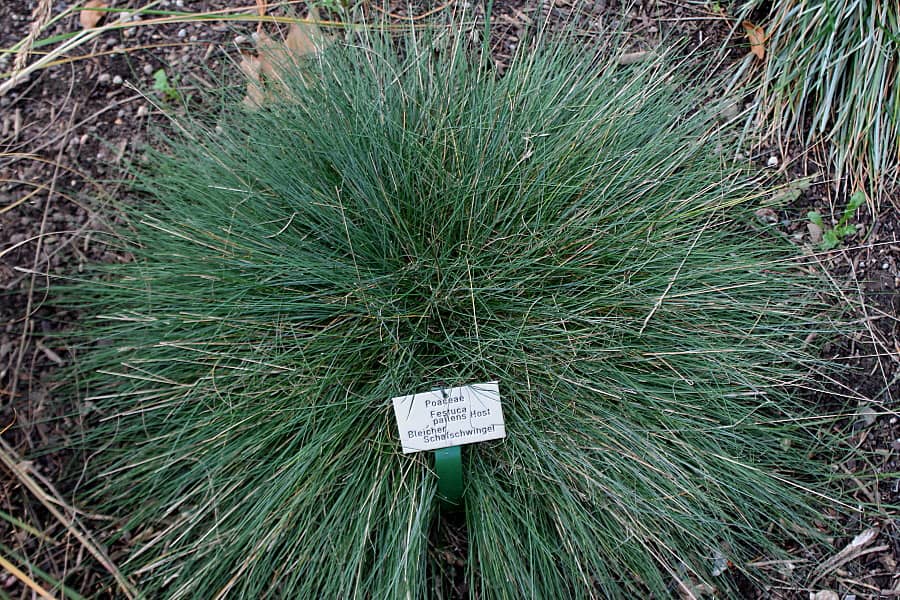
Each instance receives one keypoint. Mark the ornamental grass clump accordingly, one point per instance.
(393, 218)
(833, 72)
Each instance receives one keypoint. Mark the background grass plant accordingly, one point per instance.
(833, 72)
(402, 218)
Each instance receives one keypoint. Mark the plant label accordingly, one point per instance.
(449, 417)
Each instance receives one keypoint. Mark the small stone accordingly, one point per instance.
(148, 69)
(103, 78)
(142, 111)
(182, 33)
(117, 80)
(240, 39)
(179, 3)
(772, 162)
(885, 266)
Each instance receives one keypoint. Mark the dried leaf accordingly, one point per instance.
(757, 37)
(854, 549)
(301, 39)
(862, 540)
(252, 66)
(815, 233)
(89, 18)
(265, 70)
(766, 215)
(270, 55)
(630, 58)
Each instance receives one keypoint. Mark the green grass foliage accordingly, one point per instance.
(407, 219)
(833, 72)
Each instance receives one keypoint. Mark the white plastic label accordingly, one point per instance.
(450, 417)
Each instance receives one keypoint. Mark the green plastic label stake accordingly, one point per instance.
(443, 420)
(448, 467)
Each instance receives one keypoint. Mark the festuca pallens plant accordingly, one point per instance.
(396, 217)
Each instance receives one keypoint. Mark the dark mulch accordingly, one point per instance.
(65, 134)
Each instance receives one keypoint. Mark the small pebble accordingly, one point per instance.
(148, 69)
(240, 39)
(179, 3)
(142, 111)
(772, 162)
(117, 80)
(885, 266)
(104, 78)
(182, 33)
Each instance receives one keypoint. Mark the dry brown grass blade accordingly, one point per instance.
(261, 8)
(20, 75)
(25, 579)
(418, 17)
(39, 18)
(51, 500)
